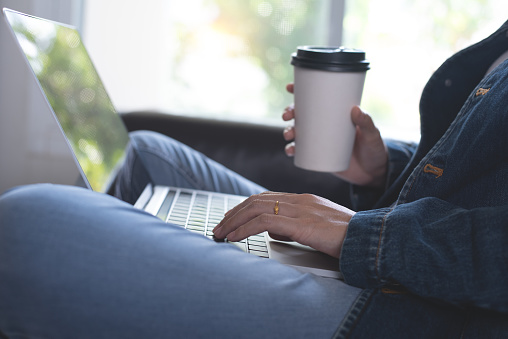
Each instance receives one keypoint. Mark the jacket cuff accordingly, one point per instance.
(362, 248)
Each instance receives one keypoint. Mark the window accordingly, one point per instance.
(230, 59)
(222, 58)
(406, 41)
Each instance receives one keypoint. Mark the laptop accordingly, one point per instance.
(100, 142)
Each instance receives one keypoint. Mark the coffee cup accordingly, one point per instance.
(328, 83)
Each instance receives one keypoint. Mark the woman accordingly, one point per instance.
(423, 256)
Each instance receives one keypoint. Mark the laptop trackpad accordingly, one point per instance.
(304, 258)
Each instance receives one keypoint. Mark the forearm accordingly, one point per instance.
(433, 249)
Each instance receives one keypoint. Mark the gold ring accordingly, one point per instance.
(276, 208)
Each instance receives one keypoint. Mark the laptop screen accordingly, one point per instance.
(76, 95)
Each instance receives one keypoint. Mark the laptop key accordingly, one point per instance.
(240, 245)
(259, 254)
(257, 248)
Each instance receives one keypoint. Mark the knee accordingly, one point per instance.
(165, 147)
(18, 196)
(21, 202)
(150, 139)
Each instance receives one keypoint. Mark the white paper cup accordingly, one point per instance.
(328, 84)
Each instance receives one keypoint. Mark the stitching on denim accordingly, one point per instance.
(376, 270)
(351, 319)
(433, 170)
(405, 191)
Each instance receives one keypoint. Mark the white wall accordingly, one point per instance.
(32, 149)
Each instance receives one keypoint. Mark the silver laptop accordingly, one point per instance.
(100, 142)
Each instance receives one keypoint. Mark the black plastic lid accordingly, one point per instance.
(334, 59)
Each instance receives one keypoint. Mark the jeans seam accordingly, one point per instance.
(352, 317)
(198, 184)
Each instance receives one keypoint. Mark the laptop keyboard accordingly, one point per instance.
(200, 212)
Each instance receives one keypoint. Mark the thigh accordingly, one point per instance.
(165, 161)
(75, 263)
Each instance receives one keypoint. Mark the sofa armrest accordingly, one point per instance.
(253, 150)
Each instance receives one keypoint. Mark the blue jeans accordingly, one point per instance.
(164, 161)
(78, 264)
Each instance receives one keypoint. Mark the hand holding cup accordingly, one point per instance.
(368, 165)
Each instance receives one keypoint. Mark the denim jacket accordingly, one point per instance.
(431, 251)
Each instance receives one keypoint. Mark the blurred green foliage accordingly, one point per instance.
(267, 32)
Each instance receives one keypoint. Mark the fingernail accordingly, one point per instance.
(286, 131)
(231, 236)
(290, 150)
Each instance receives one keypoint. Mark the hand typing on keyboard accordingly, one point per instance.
(307, 219)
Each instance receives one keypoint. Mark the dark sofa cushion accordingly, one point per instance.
(252, 150)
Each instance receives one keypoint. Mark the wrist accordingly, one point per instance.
(380, 177)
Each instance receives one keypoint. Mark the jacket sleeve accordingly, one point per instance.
(399, 155)
(433, 249)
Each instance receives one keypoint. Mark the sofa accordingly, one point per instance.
(255, 151)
